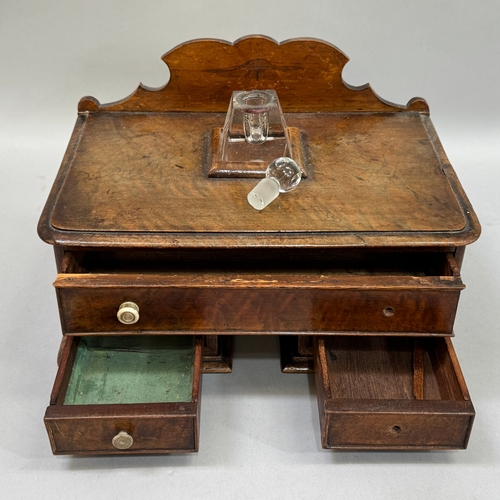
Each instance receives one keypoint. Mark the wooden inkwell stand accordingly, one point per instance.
(161, 261)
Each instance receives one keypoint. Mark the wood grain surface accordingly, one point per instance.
(363, 250)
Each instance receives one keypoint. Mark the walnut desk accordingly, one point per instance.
(159, 264)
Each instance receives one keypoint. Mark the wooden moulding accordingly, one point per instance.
(89, 429)
(256, 169)
(115, 184)
(383, 393)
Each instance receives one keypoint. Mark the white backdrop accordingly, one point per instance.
(259, 428)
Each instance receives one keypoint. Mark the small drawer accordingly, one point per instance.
(396, 293)
(126, 395)
(391, 393)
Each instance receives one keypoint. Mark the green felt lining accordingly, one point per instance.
(132, 369)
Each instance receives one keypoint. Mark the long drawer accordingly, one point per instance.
(342, 300)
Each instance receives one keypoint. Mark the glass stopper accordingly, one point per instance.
(282, 175)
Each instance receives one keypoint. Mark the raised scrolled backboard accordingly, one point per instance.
(306, 74)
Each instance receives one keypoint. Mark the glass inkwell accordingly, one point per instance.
(255, 142)
(254, 130)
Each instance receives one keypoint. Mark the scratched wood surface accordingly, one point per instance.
(377, 368)
(134, 183)
(147, 173)
(259, 303)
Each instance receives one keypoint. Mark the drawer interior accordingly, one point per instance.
(131, 369)
(316, 261)
(390, 368)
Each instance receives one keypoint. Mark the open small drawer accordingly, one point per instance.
(126, 395)
(391, 393)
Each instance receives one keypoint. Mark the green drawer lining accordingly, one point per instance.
(132, 369)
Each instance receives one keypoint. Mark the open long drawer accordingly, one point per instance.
(397, 293)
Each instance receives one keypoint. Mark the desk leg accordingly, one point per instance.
(217, 353)
(296, 354)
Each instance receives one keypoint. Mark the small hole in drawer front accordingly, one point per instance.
(396, 429)
(389, 311)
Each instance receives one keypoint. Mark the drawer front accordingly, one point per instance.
(398, 425)
(93, 430)
(126, 395)
(376, 393)
(259, 304)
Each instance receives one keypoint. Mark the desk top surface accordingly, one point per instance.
(374, 179)
(135, 172)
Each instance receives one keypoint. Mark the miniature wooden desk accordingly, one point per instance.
(358, 270)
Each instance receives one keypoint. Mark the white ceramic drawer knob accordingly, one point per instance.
(122, 441)
(128, 313)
